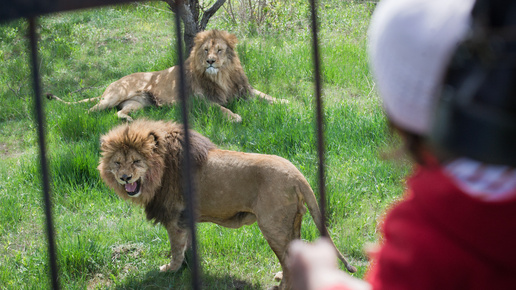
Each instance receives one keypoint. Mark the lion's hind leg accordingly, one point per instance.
(102, 105)
(132, 104)
(280, 227)
(129, 106)
(125, 101)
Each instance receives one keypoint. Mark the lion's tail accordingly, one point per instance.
(54, 97)
(309, 197)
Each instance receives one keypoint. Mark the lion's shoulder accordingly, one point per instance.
(168, 204)
(199, 144)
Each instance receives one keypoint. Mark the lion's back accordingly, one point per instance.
(252, 169)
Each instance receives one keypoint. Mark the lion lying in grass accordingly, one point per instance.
(213, 71)
(141, 162)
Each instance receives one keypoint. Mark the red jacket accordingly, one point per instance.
(441, 238)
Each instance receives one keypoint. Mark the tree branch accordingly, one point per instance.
(209, 13)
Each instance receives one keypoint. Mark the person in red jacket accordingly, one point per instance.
(455, 228)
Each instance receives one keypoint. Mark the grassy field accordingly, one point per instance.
(104, 242)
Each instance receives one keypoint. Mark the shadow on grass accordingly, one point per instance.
(182, 280)
(179, 280)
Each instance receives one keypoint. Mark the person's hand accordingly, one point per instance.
(314, 267)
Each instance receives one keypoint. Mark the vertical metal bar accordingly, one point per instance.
(189, 190)
(40, 119)
(319, 112)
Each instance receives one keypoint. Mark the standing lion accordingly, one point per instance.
(142, 161)
(213, 71)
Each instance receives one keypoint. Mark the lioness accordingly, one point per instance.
(142, 161)
(213, 71)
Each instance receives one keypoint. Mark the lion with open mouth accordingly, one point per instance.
(142, 162)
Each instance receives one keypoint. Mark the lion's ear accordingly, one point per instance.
(232, 40)
(200, 37)
(102, 141)
(153, 136)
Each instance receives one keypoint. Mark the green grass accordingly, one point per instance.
(104, 242)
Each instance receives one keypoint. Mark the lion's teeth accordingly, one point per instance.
(131, 187)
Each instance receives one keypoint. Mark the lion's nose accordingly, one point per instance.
(210, 61)
(126, 178)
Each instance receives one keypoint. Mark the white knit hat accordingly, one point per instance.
(410, 45)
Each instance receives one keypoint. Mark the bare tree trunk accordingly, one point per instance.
(190, 11)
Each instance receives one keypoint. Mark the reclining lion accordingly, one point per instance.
(213, 71)
(141, 161)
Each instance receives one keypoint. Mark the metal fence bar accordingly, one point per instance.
(188, 190)
(40, 123)
(12, 9)
(320, 116)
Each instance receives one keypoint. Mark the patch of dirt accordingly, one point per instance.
(99, 281)
(8, 151)
(119, 252)
(131, 250)
(4, 151)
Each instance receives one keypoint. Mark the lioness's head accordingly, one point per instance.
(213, 50)
(132, 162)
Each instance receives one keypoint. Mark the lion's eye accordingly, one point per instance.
(117, 163)
(136, 161)
(220, 50)
(206, 50)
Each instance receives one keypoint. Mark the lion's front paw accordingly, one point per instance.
(232, 117)
(235, 118)
(164, 268)
(170, 267)
(278, 277)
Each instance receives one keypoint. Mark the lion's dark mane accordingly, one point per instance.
(168, 202)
